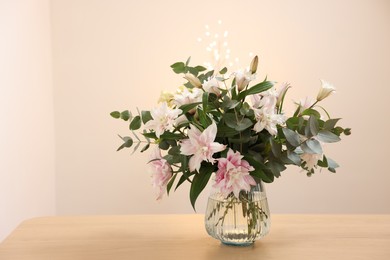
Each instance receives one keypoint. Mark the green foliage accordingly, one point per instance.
(200, 181)
(230, 109)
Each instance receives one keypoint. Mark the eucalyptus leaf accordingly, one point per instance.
(146, 147)
(125, 115)
(313, 123)
(332, 163)
(311, 112)
(294, 157)
(128, 142)
(243, 124)
(292, 137)
(276, 168)
(115, 114)
(135, 123)
(327, 136)
(146, 116)
(223, 71)
(276, 148)
(331, 123)
(163, 145)
(314, 145)
(261, 171)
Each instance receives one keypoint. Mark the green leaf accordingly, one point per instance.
(223, 71)
(171, 136)
(243, 124)
(146, 116)
(312, 146)
(170, 183)
(203, 118)
(311, 112)
(128, 142)
(331, 123)
(261, 172)
(136, 147)
(178, 67)
(172, 159)
(276, 148)
(205, 100)
(291, 136)
(188, 61)
(193, 71)
(276, 168)
(115, 114)
(236, 122)
(227, 103)
(150, 135)
(261, 87)
(187, 107)
(313, 123)
(135, 123)
(225, 131)
(183, 178)
(146, 147)
(294, 157)
(163, 145)
(175, 150)
(200, 181)
(200, 68)
(347, 131)
(332, 163)
(327, 136)
(323, 163)
(125, 115)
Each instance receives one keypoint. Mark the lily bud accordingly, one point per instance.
(193, 80)
(282, 93)
(241, 80)
(254, 63)
(325, 91)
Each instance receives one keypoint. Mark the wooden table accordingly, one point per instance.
(184, 237)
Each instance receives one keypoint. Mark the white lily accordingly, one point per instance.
(325, 91)
(164, 118)
(211, 86)
(201, 146)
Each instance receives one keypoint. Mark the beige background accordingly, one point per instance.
(27, 154)
(115, 55)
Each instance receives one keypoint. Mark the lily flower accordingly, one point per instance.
(267, 119)
(201, 146)
(161, 172)
(243, 78)
(233, 174)
(211, 86)
(193, 80)
(164, 118)
(325, 91)
(185, 96)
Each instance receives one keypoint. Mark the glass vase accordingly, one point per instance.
(238, 221)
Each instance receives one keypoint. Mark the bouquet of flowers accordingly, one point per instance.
(223, 125)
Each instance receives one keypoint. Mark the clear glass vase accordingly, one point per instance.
(238, 221)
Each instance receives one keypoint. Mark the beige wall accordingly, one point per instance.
(26, 111)
(112, 55)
